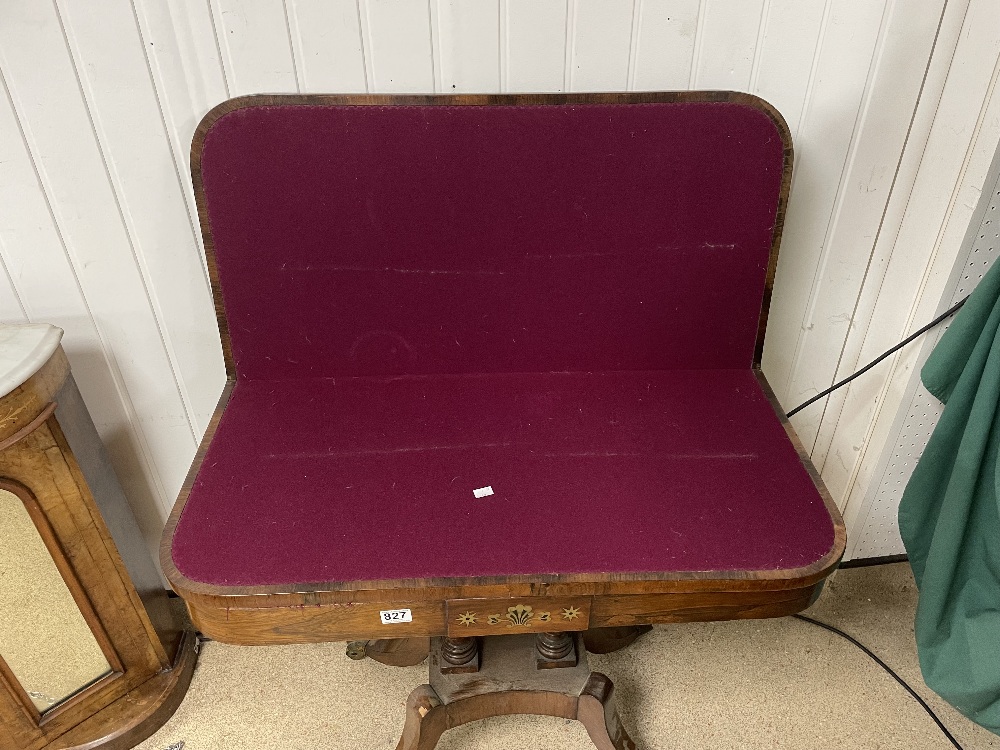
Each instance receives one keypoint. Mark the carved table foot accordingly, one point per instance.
(510, 680)
(396, 652)
(606, 640)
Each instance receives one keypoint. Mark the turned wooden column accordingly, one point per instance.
(459, 655)
(555, 650)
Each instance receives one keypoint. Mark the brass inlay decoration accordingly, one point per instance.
(472, 617)
(11, 415)
(571, 613)
(519, 615)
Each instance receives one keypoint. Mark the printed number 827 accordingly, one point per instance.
(391, 616)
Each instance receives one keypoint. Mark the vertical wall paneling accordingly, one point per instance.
(49, 291)
(434, 27)
(11, 308)
(47, 287)
(185, 60)
(326, 43)
(959, 149)
(61, 135)
(885, 244)
(870, 170)
(534, 50)
(503, 45)
(826, 130)
(131, 128)
(633, 42)
(469, 45)
(397, 38)
(727, 50)
(256, 46)
(664, 44)
(789, 39)
(600, 47)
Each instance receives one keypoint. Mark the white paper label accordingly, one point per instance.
(483, 492)
(392, 616)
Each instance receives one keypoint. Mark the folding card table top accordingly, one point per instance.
(494, 368)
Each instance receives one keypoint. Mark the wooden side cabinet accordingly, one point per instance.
(90, 652)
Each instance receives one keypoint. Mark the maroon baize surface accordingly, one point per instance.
(559, 301)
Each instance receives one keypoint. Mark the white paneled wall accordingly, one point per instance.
(889, 103)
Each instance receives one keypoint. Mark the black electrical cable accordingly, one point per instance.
(887, 668)
(947, 313)
(943, 316)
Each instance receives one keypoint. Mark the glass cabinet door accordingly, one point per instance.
(45, 638)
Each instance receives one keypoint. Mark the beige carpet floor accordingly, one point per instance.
(747, 684)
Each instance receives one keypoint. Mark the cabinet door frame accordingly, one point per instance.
(62, 715)
(38, 467)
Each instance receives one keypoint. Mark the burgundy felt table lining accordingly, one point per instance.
(375, 240)
(355, 479)
(561, 302)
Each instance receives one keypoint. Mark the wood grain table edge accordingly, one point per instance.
(360, 620)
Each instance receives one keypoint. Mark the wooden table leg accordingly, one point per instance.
(509, 682)
(424, 723)
(606, 640)
(395, 652)
(598, 713)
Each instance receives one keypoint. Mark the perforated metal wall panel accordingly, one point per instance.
(876, 531)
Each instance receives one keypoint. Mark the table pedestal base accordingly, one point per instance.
(509, 681)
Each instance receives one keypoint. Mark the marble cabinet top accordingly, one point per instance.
(23, 350)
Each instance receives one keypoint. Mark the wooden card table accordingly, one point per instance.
(494, 388)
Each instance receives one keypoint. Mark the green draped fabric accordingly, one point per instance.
(949, 516)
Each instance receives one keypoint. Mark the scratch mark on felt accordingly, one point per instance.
(426, 271)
